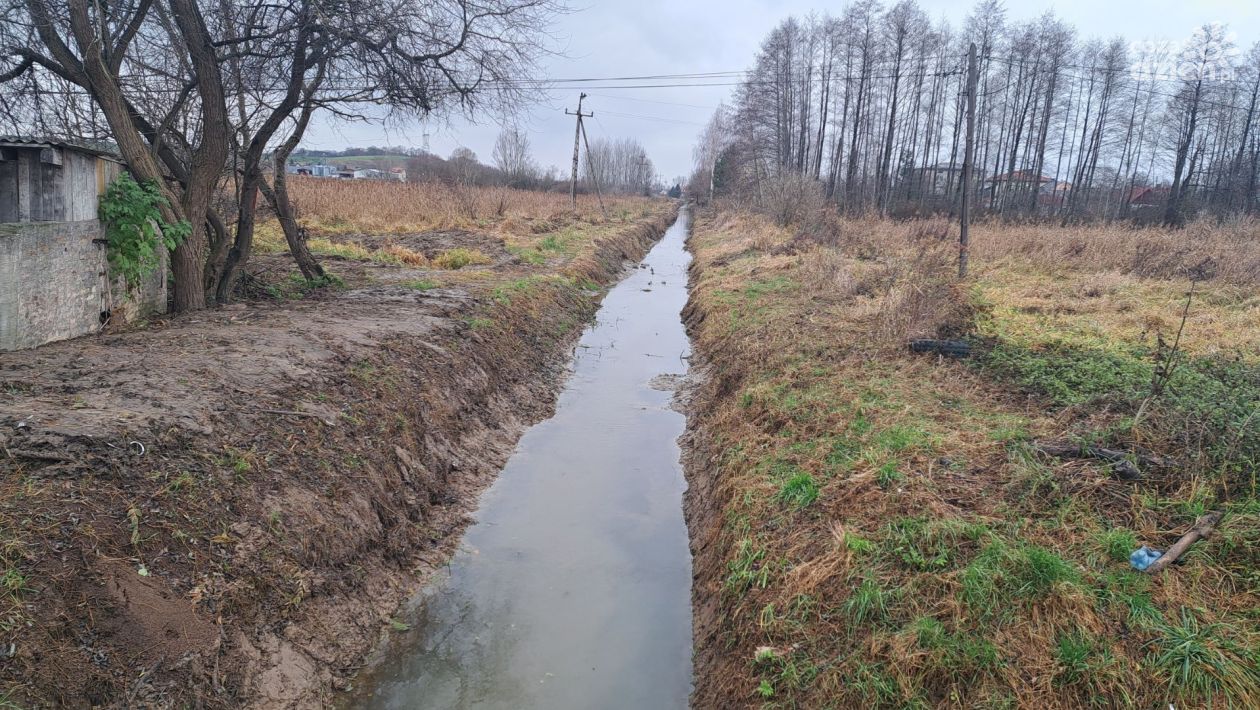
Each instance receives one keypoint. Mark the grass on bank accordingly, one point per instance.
(890, 536)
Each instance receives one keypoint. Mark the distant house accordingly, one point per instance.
(932, 180)
(1020, 181)
(1149, 196)
(322, 170)
(55, 280)
(398, 174)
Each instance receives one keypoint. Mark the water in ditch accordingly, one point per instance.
(572, 588)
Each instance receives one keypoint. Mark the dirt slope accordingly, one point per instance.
(223, 510)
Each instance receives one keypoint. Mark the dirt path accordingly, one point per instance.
(225, 509)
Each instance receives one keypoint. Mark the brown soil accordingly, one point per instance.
(702, 509)
(431, 244)
(224, 509)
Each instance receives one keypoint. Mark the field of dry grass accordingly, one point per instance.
(424, 226)
(327, 205)
(439, 235)
(890, 534)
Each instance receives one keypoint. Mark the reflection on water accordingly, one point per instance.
(572, 589)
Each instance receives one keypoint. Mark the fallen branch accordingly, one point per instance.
(40, 455)
(948, 348)
(325, 417)
(1203, 527)
(1122, 462)
(290, 413)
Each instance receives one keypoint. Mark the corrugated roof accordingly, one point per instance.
(101, 148)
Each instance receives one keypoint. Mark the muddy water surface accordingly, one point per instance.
(572, 588)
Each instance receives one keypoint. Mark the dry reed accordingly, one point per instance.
(379, 206)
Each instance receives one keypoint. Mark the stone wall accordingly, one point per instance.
(54, 284)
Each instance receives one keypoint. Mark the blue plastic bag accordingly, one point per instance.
(1143, 557)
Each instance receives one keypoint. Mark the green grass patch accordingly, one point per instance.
(1204, 665)
(798, 491)
(930, 544)
(525, 287)
(1116, 543)
(1003, 575)
(1221, 396)
(748, 569)
(870, 602)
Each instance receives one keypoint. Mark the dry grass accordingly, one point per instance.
(448, 232)
(1232, 250)
(384, 207)
(889, 539)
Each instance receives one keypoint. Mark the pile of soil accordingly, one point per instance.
(226, 508)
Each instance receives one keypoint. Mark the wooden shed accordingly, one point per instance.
(55, 279)
(49, 180)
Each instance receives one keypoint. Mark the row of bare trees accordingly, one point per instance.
(199, 95)
(619, 165)
(869, 105)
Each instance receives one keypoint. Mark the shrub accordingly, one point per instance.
(131, 213)
(460, 257)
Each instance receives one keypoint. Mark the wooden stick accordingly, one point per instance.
(40, 455)
(1120, 460)
(290, 413)
(1203, 527)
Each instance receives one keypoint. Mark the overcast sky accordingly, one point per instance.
(611, 38)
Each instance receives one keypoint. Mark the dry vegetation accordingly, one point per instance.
(376, 206)
(425, 226)
(885, 532)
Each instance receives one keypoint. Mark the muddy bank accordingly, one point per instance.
(225, 510)
(703, 508)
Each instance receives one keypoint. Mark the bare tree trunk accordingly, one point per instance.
(278, 197)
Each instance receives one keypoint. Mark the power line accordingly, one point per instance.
(660, 119)
(654, 101)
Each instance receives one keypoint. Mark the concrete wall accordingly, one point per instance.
(53, 284)
(54, 273)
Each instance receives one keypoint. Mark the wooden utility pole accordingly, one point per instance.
(578, 133)
(969, 155)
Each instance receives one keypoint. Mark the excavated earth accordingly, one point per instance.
(226, 508)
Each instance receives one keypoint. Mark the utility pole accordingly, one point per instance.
(969, 153)
(578, 133)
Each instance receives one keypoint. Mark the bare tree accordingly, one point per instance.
(1199, 62)
(163, 73)
(708, 151)
(511, 156)
(870, 104)
(619, 166)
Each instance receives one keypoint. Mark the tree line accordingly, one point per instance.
(867, 108)
(615, 166)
